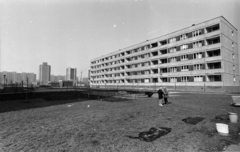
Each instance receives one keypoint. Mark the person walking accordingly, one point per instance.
(165, 96)
(160, 96)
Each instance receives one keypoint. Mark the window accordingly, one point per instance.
(171, 40)
(173, 69)
(163, 42)
(173, 79)
(162, 61)
(197, 44)
(234, 79)
(213, 41)
(163, 70)
(233, 67)
(233, 56)
(197, 32)
(232, 34)
(184, 57)
(216, 65)
(154, 45)
(184, 36)
(213, 28)
(198, 67)
(155, 62)
(197, 55)
(198, 78)
(233, 45)
(184, 79)
(155, 53)
(163, 51)
(184, 47)
(184, 68)
(213, 53)
(172, 50)
(173, 59)
(213, 78)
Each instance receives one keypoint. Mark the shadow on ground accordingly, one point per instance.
(14, 102)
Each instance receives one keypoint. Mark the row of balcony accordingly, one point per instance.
(157, 63)
(196, 78)
(166, 72)
(191, 47)
(177, 40)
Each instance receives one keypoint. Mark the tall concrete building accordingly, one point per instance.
(44, 73)
(202, 57)
(71, 74)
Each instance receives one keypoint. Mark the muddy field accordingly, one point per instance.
(97, 125)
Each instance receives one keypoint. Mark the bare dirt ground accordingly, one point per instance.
(95, 125)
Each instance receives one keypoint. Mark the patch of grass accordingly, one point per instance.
(103, 126)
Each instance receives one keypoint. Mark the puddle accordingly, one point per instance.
(193, 120)
(152, 134)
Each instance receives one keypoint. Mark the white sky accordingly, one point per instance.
(69, 33)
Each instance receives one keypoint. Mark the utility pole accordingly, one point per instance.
(27, 90)
(81, 77)
(4, 80)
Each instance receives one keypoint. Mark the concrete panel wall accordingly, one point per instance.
(227, 29)
(229, 81)
(227, 43)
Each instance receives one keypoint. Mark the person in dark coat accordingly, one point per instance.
(160, 96)
(165, 91)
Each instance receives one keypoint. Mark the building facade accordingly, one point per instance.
(71, 74)
(14, 77)
(203, 57)
(57, 78)
(44, 73)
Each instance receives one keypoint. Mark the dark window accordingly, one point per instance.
(213, 53)
(213, 41)
(216, 65)
(213, 28)
(163, 42)
(154, 45)
(213, 78)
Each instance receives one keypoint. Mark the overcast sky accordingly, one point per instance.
(69, 33)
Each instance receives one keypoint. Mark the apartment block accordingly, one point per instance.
(71, 74)
(202, 57)
(44, 73)
(14, 77)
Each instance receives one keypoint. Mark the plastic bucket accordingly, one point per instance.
(236, 100)
(233, 117)
(222, 129)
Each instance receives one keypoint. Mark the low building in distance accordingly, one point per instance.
(20, 78)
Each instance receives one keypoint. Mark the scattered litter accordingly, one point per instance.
(152, 134)
(192, 120)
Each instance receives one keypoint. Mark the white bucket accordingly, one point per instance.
(222, 129)
(233, 117)
(236, 100)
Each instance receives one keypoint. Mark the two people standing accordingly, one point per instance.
(162, 95)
